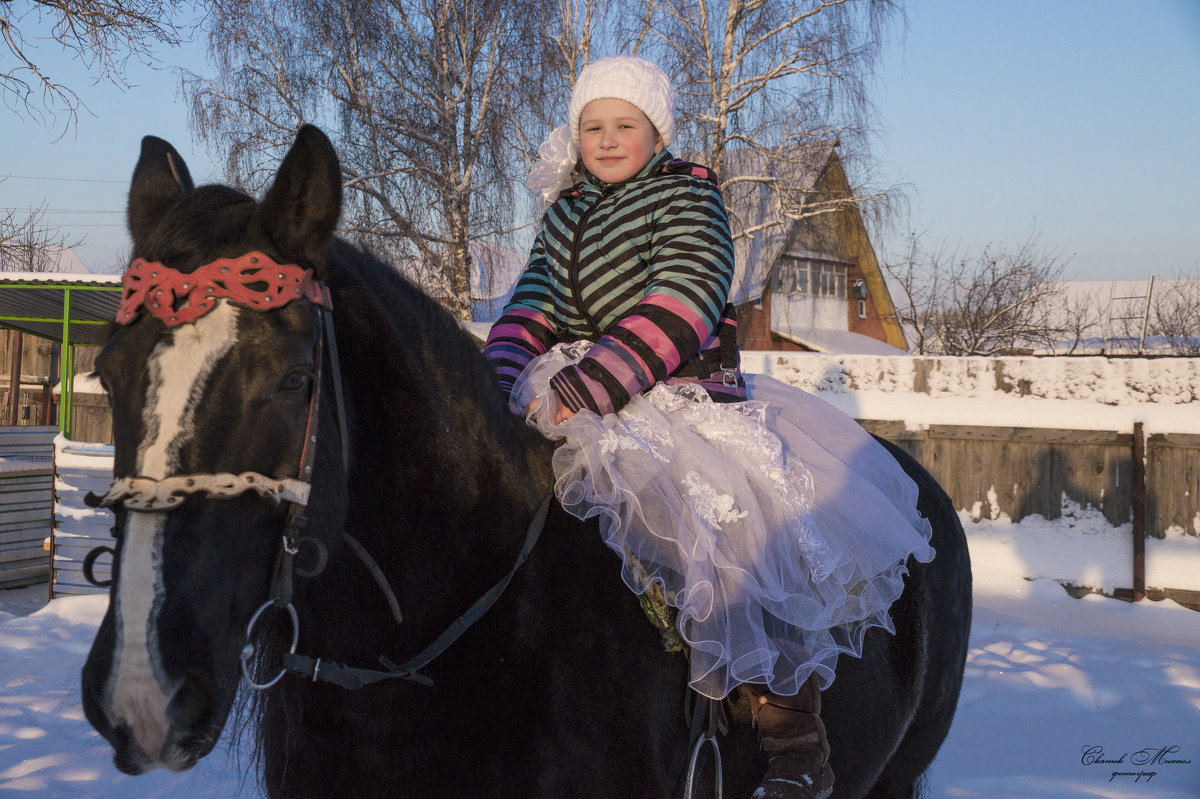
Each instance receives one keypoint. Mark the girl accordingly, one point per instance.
(774, 524)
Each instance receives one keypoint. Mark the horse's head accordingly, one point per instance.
(205, 382)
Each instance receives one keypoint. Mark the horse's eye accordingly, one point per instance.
(295, 382)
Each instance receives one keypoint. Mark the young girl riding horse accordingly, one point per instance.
(776, 526)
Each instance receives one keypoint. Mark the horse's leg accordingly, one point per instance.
(937, 606)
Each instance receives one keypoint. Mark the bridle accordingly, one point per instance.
(257, 282)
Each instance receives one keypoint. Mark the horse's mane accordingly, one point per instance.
(408, 318)
(213, 213)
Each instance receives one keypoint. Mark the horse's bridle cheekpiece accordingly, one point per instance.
(257, 282)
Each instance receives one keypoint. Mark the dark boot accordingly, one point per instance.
(793, 737)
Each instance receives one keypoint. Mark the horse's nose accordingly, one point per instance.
(193, 704)
(194, 714)
(128, 756)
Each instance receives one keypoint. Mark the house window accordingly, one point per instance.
(790, 277)
(827, 279)
(809, 277)
(862, 309)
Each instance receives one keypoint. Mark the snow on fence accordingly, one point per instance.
(79, 467)
(1106, 381)
(25, 466)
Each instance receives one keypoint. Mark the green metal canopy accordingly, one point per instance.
(72, 309)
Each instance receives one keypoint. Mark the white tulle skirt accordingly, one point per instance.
(777, 526)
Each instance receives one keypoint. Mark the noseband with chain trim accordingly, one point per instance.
(257, 282)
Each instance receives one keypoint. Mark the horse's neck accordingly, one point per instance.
(444, 481)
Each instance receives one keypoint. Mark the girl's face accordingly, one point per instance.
(616, 139)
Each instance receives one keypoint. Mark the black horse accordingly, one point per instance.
(561, 689)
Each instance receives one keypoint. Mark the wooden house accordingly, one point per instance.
(809, 284)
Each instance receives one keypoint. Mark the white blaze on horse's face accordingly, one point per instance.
(138, 689)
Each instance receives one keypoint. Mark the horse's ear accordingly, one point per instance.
(159, 179)
(302, 206)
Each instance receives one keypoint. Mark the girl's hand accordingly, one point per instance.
(558, 412)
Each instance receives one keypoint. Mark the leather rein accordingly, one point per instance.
(257, 282)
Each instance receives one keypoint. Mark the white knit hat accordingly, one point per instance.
(634, 80)
(629, 78)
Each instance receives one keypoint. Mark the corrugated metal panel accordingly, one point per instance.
(30, 441)
(31, 302)
(79, 468)
(94, 298)
(25, 489)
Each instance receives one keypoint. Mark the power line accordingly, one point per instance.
(77, 180)
(62, 210)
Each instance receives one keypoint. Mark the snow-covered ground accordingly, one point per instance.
(1054, 685)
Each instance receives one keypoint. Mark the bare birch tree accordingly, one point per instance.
(421, 99)
(102, 34)
(437, 107)
(761, 81)
(999, 302)
(569, 31)
(572, 34)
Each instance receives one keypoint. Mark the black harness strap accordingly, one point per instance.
(377, 574)
(297, 521)
(350, 677)
(336, 370)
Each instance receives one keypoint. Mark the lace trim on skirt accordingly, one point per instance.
(778, 527)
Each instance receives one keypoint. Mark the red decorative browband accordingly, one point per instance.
(253, 280)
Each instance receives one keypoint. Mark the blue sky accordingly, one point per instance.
(1075, 120)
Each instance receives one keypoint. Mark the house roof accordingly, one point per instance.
(842, 342)
(751, 203)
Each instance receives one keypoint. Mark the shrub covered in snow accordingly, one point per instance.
(1106, 381)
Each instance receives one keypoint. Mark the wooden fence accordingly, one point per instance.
(93, 419)
(1150, 482)
(1025, 470)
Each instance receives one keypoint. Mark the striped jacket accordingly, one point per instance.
(642, 268)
